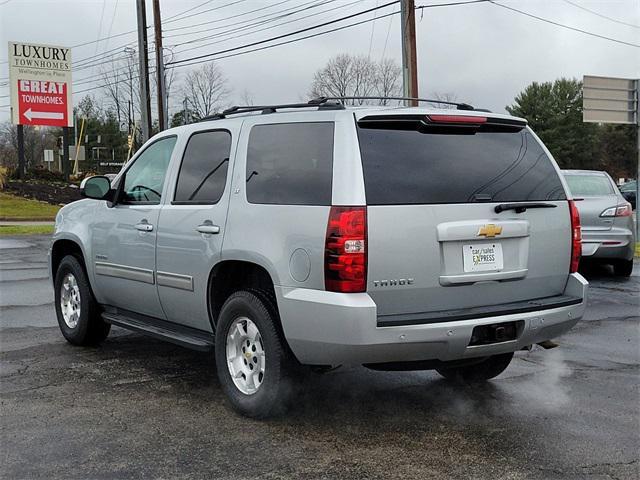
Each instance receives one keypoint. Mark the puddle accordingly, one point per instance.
(7, 243)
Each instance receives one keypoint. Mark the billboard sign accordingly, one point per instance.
(40, 80)
(609, 100)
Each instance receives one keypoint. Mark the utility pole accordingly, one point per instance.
(638, 152)
(21, 159)
(65, 153)
(145, 100)
(162, 89)
(185, 116)
(409, 55)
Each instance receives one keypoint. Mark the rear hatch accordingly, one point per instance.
(445, 240)
(594, 193)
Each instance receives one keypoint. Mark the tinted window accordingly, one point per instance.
(145, 177)
(589, 185)
(203, 173)
(412, 167)
(290, 164)
(628, 187)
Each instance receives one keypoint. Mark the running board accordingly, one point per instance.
(161, 329)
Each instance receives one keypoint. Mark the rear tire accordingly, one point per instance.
(478, 372)
(78, 313)
(623, 268)
(252, 358)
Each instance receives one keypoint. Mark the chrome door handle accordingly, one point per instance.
(208, 228)
(144, 227)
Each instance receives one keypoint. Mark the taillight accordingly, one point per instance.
(576, 237)
(451, 119)
(345, 251)
(623, 210)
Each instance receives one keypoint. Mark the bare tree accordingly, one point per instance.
(352, 75)
(445, 97)
(207, 89)
(247, 97)
(364, 73)
(36, 139)
(121, 82)
(388, 79)
(335, 79)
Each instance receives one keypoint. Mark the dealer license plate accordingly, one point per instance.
(482, 257)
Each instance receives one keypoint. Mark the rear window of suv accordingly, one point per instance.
(414, 167)
(290, 163)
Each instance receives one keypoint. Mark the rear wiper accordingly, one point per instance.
(522, 207)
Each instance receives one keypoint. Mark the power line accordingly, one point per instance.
(450, 4)
(278, 15)
(278, 37)
(123, 70)
(562, 25)
(108, 55)
(199, 59)
(288, 41)
(202, 12)
(104, 5)
(117, 35)
(250, 51)
(386, 40)
(188, 10)
(220, 19)
(108, 58)
(113, 18)
(373, 27)
(601, 15)
(233, 31)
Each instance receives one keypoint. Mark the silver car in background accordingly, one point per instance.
(608, 230)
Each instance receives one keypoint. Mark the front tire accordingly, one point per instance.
(252, 360)
(478, 372)
(77, 311)
(623, 268)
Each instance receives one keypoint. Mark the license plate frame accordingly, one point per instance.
(482, 257)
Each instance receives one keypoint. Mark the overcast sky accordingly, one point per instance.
(481, 53)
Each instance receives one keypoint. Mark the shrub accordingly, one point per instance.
(41, 173)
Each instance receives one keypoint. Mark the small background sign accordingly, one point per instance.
(40, 80)
(609, 100)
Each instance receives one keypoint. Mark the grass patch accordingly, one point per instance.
(637, 249)
(17, 208)
(26, 230)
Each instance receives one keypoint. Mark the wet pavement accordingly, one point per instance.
(139, 408)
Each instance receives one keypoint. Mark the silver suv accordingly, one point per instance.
(316, 235)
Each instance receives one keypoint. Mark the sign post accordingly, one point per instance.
(614, 100)
(40, 87)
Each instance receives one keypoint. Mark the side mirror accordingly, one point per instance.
(98, 188)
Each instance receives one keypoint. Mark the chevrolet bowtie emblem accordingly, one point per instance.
(489, 230)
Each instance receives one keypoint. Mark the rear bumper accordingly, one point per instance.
(617, 243)
(326, 328)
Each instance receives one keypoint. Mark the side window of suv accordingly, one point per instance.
(144, 179)
(290, 163)
(203, 173)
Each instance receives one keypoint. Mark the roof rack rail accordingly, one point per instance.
(458, 105)
(321, 103)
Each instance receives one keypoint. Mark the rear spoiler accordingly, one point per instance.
(442, 123)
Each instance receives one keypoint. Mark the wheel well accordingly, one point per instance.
(233, 275)
(61, 249)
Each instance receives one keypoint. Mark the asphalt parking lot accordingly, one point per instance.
(139, 408)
